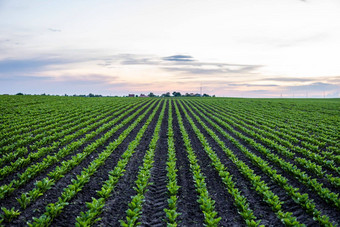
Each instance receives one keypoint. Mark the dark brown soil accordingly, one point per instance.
(156, 198)
(289, 205)
(157, 195)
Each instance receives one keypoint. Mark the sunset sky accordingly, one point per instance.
(236, 48)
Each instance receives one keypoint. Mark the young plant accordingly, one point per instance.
(9, 215)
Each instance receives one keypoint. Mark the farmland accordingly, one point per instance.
(76, 161)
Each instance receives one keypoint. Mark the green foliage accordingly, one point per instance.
(205, 201)
(9, 215)
(280, 137)
(142, 182)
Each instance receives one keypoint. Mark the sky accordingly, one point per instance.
(227, 48)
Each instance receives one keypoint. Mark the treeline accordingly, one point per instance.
(151, 94)
(178, 94)
(75, 95)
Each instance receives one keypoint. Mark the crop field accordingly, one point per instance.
(105, 161)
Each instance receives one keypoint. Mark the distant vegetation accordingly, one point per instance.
(178, 94)
(75, 95)
(151, 94)
(174, 94)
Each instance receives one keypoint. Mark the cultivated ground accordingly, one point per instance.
(75, 161)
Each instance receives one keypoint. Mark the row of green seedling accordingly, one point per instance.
(84, 128)
(49, 137)
(311, 166)
(95, 207)
(67, 165)
(49, 109)
(317, 155)
(301, 199)
(56, 124)
(288, 135)
(298, 127)
(141, 184)
(207, 204)
(25, 134)
(239, 200)
(13, 123)
(303, 177)
(54, 209)
(275, 120)
(172, 186)
(35, 169)
(18, 129)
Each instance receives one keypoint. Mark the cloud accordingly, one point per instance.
(252, 85)
(213, 69)
(218, 70)
(259, 91)
(193, 70)
(320, 81)
(312, 38)
(87, 79)
(318, 86)
(294, 40)
(129, 59)
(142, 61)
(178, 58)
(70, 84)
(24, 78)
(180, 63)
(28, 65)
(84, 79)
(287, 79)
(334, 79)
(54, 30)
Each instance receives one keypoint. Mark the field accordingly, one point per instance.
(79, 161)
